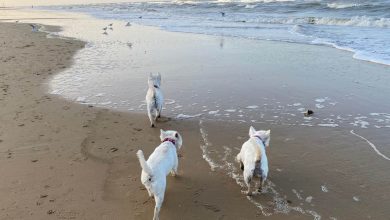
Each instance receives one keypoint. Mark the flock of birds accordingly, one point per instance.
(110, 27)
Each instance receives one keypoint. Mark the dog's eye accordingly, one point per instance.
(150, 178)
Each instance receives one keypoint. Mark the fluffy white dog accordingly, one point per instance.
(161, 162)
(154, 98)
(253, 158)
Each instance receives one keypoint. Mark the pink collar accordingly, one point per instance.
(170, 140)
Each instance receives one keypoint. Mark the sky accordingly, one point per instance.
(12, 3)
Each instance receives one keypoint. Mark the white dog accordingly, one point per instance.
(154, 98)
(161, 162)
(253, 158)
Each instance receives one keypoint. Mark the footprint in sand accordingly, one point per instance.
(211, 207)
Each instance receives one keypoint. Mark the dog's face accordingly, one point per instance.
(154, 81)
(265, 135)
(174, 135)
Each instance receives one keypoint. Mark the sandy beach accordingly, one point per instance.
(69, 130)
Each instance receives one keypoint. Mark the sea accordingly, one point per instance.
(362, 27)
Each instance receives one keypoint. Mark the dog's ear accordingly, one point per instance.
(252, 131)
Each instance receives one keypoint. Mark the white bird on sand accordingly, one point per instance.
(105, 28)
(111, 28)
(34, 27)
(110, 25)
(128, 24)
(105, 32)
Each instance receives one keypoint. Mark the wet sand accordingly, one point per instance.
(79, 160)
(69, 161)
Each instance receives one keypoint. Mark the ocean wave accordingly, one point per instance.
(338, 5)
(360, 21)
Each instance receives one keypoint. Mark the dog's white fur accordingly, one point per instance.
(253, 158)
(161, 162)
(154, 98)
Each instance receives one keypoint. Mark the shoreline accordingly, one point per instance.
(110, 139)
(63, 158)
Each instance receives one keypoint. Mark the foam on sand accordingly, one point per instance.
(371, 145)
(183, 116)
(229, 168)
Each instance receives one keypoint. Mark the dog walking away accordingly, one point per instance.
(154, 98)
(253, 158)
(161, 162)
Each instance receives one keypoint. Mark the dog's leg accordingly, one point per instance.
(150, 115)
(159, 200)
(159, 113)
(248, 184)
(249, 192)
(174, 170)
(149, 192)
(260, 189)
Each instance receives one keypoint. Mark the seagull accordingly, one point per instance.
(128, 24)
(105, 32)
(34, 27)
(140, 17)
(111, 28)
(17, 21)
(110, 25)
(223, 14)
(129, 44)
(104, 29)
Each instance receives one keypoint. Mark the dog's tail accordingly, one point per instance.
(142, 161)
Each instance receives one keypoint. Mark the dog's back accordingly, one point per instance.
(163, 158)
(154, 98)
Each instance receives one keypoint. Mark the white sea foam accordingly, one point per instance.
(324, 188)
(183, 116)
(319, 105)
(213, 112)
(339, 5)
(328, 125)
(356, 199)
(371, 145)
(81, 99)
(309, 199)
(297, 194)
(169, 101)
(360, 122)
(322, 99)
(204, 147)
(106, 103)
(252, 107)
(230, 110)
